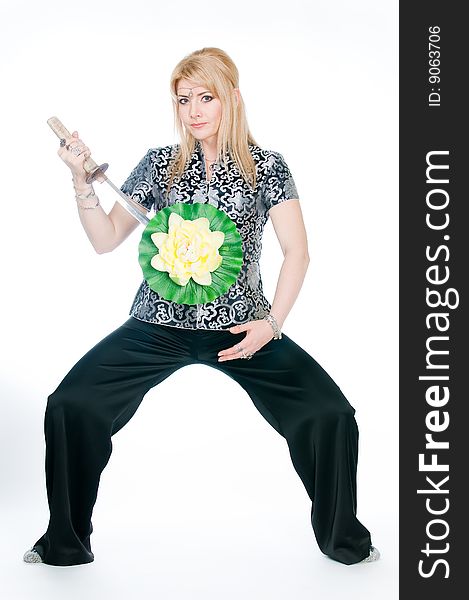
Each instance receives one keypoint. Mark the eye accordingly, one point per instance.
(182, 100)
(207, 96)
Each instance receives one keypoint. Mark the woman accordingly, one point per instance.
(238, 332)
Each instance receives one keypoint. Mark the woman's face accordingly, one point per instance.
(199, 107)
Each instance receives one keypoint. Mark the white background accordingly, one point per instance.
(200, 498)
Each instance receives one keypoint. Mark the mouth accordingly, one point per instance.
(197, 125)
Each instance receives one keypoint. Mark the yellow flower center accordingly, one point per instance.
(189, 249)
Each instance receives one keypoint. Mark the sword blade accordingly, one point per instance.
(127, 204)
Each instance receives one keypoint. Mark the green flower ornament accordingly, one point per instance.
(190, 253)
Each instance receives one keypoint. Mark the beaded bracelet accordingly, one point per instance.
(75, 188)
(275, 327)
(85, 201)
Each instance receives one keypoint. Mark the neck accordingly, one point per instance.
(209, 148)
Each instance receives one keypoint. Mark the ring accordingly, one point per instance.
(248, 356)
(62, 142)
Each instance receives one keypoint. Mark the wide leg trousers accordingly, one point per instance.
(288, 387)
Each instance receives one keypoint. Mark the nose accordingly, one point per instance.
(194, 108)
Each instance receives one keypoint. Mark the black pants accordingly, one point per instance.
(288, 387)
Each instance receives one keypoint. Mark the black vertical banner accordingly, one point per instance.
(434, 255)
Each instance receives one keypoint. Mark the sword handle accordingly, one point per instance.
(91, 167)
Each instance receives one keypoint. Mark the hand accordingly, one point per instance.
(75, 163)
(259, 333)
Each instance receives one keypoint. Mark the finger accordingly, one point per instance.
(83, 148)
(229, 357)
(239, 328)
(74, 138)
(225, 358)
(233, 352)
(235, 356)
(70, 142)
(224, 353)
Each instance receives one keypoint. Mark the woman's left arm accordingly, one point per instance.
(287, 220)
(289, 227)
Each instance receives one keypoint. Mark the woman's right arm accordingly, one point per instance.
(105, 231)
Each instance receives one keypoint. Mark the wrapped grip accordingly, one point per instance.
(58, 128)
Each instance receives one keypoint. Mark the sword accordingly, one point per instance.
(96, 172)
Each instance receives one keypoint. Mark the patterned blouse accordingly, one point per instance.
(244, 301)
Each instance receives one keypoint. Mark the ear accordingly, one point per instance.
(237, 94)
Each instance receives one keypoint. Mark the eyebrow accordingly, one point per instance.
(201, 94)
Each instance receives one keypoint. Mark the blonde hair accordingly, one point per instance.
(213, 68)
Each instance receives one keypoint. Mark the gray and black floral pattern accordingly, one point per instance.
(244, 301)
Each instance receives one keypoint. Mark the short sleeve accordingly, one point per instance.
(138, 184)
(279, 184)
